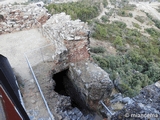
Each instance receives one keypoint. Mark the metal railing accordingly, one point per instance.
(106, 107)
(45, 102)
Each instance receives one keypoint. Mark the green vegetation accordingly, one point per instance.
(156, 21)
(105, 3)
(158, 9)
(136, 25)
(137, 62)
(100, 32)
(129, 7)
(83, 10)
(135, 67)
(98, 49)
(124, 13)
(105, 18)
(141, 19)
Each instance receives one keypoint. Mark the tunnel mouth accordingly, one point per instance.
(64, 86)
(59, 80)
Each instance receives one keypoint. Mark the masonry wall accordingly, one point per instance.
(78, 50)
(21, 17)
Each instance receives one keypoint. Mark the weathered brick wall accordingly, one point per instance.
(78, 50)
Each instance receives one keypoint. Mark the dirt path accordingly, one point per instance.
(13, 46)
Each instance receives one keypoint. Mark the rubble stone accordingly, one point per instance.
(18, 17)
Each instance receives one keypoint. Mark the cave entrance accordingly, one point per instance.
(65, 86)
(60, 83)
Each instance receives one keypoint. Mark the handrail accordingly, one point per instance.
(20, 96)
(39, 88)
(106, 107)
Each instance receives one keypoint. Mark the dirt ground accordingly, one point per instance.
(14, 46)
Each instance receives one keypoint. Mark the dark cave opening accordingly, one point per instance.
(64, 86)
(60, 86)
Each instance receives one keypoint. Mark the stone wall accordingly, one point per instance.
(78, 50)
(69, 37)
(91, 82)
(88, 81)
(21, 17)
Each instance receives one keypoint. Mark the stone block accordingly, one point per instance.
(93, 84)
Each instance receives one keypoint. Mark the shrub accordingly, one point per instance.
(156, 21)
(102, 62)
(98, 49)
(78, 10)
(141, 19)
(153, 31)
(105, 3)
(130, 15)
(136, 25)
(120, 24)
(99, 32)
(104, 18)
(124, 13)
(129, 7)
(118, 41)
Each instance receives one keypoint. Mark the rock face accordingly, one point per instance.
(21, 17)
(91, 82)
(146, 104)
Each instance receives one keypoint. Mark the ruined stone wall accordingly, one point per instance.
(21, 17)
(78, 50)
(69, 37)
(89, 82)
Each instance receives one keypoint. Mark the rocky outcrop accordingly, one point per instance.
(144, 106)
(20, 17)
